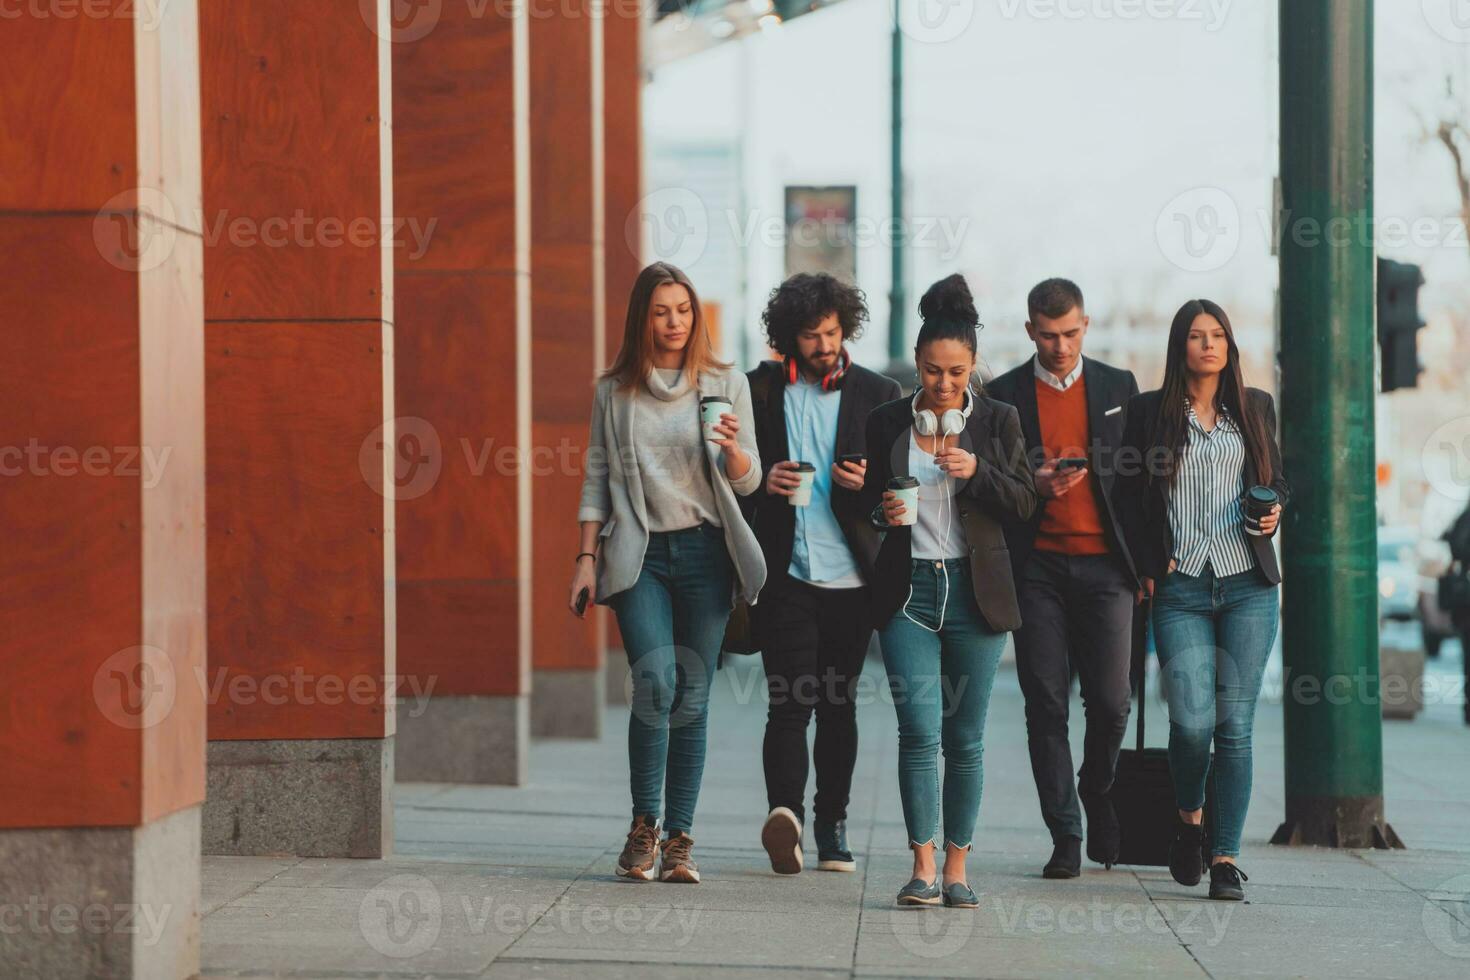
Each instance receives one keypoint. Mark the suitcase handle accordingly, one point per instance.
(1140, 661)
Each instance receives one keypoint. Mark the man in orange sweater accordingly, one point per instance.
(1074, 577)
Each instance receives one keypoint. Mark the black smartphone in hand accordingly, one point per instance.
(1071, 462)
(582, 598)
(858, 458)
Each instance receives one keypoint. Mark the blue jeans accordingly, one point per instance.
(941, 684)
(1213, 637)
(673, 620)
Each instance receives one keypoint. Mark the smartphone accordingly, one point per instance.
(582, 598)
(1071, 462)
(853, 458)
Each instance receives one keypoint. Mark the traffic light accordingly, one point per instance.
(1399, 323)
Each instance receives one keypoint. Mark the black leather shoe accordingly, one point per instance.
(1186, 853)
(920, 892)
(832, 850)
(1066, 859)
(1103, 838)
(1225, 879)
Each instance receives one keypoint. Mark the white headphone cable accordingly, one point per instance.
(949, 517)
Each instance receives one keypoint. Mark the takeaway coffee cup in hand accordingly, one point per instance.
(710, 410)
(802, 496)
(1259, 502)
(906, 489)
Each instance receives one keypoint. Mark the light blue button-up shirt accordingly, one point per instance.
(819, 552)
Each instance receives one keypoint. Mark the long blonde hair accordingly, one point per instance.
(635, 357)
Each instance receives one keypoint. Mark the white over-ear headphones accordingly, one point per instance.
(953, 422)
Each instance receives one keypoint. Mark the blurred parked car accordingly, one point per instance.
(1398, 573)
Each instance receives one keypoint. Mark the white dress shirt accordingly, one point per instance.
(1044, 375)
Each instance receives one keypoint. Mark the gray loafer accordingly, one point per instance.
(959, 896)
(920, 892)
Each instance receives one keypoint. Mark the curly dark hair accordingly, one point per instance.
(802, 301)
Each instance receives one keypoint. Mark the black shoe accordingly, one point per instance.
(1186, 853)
(1066, 859)
(920, 892)
(1103, 840)
(1225, 879)
(832, 850)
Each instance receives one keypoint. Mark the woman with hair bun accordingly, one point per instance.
(946, 470)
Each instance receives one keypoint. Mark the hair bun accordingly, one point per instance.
(950, 299)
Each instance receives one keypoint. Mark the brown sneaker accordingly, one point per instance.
(636, 861)
(676, 863)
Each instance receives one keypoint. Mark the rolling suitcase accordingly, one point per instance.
(1143, 793)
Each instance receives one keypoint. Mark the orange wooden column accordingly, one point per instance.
(622, 140)
(298, 268)
(461, 167)
(102, 484)
(567, 349)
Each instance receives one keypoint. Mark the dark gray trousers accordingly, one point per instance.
(1075, 611)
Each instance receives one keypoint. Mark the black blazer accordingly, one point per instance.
(772, 517)
(1146, 508)
(1108, 392)
(1000, 491)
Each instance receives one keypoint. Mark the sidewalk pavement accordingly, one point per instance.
(517, 882)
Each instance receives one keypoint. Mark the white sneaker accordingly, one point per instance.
(781, 837)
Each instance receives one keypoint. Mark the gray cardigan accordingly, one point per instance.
(612, 487)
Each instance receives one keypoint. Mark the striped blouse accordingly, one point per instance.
(1205, 514)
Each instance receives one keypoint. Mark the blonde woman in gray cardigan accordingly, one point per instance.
(665, 546)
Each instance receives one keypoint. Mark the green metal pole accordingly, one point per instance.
(1334, 738)
(897, 298)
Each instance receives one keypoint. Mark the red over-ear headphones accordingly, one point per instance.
(833, 380)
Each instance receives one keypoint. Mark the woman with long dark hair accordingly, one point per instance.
(942, 593)
(665, 546)
(1203, 491)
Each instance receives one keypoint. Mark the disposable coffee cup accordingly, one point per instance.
(1259, 501)
(803, 495)
(710, 410)
(906, 488)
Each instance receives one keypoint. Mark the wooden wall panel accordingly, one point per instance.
(460, 166)
(297, 184)
(101, 421)
(291, 161)
(567, 316)
(295, 528)
(69, 572)
(52, 159)
(454, 140)
(623, 143)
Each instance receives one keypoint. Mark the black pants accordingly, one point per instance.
(1080, 605)
(1465, 662)
(813, 644)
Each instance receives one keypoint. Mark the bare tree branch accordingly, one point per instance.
(1448, 131)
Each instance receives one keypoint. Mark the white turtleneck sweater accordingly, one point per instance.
(671, 453)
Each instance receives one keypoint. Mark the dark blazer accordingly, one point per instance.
(773, 517)
(1108, 392)
(1146, 508)
(1000, 491)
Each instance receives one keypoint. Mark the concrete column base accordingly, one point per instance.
(329, 797)
(463, 739)
(567, 703)
(615, 679)
(106, 902)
